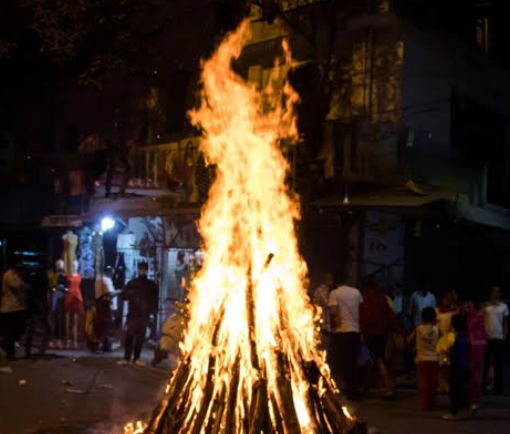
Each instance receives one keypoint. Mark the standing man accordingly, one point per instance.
(419, 301)
(12, 309)
(344, 303)
(495, 314)
(181, 275)
(377, 320)
(142, 296)
(38, 308)
(320, 300)
(105, 300)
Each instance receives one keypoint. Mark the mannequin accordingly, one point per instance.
(73, 308)
(69, 253)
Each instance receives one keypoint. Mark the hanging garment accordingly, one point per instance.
(119, 278)
(69, 253)
(73, 297)
(85, 254)
(126, 245)
(98, 251)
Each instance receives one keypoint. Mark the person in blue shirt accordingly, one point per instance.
(459, 367)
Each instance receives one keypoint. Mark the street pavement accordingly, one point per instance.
(77, 392)
(403, 416)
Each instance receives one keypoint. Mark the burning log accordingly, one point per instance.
(232, 399)
(250, 358)
(259, 411)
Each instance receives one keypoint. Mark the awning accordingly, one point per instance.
(59, 221)
(399, 196)
(139, 206)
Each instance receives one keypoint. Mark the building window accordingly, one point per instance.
(483, 29)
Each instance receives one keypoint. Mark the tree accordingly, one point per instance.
(114, 46)
(128, 64)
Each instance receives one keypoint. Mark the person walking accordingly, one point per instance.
(343, 304)
(38, 291)
(477, 336)
(142, 296)
(459, 368)
(12, 309)
(377, 320)
(495, 313)
(425, 337)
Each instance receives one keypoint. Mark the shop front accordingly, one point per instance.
(168, 243)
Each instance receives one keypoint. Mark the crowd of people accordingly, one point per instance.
(44, 306)
(456, 347)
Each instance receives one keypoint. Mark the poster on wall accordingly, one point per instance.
(383, 247)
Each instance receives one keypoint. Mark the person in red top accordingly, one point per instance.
(377, 319)
(477, 335)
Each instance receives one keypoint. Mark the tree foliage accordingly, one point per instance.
(103, 39)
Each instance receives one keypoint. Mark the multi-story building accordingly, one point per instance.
(412, 140)
(403, 166)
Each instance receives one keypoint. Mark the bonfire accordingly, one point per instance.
(250, 356)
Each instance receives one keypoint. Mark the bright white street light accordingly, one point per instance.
(107, 223)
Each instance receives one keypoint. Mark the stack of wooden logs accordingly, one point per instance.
(176, 415)
(270, 411)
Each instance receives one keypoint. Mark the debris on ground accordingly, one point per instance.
(6, 370)
(104, 386)
(22, 382)
(71, 390)
(66, 383)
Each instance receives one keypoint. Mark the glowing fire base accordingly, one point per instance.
(328, 415)
(250, 360)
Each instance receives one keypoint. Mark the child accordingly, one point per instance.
(426, 336)
(171, 334)
(459, 367)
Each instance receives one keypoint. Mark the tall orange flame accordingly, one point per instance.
(251, 330)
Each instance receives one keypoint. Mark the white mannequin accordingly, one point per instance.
(69, 253)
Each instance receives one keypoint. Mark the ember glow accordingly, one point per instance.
(249, 360)
(137, 427)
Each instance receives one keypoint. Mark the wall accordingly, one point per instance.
(383, 247)
(437, 67)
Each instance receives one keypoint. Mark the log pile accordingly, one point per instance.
(217, 416)
(268, 411)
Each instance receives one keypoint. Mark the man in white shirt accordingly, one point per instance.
(495, 314)
(104, 286)
(344, 302)
(419, 301)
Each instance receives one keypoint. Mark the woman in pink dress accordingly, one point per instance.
(477, 336)
(74, 310)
